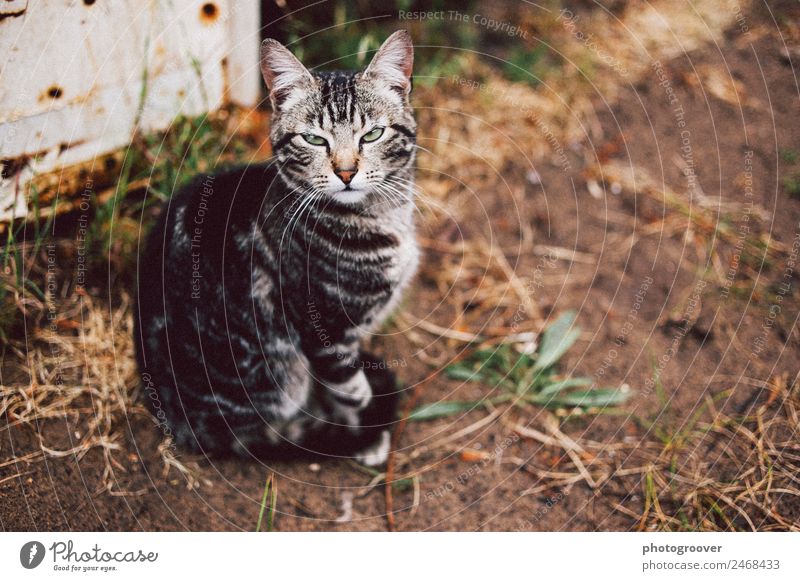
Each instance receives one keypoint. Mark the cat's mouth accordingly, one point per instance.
(348, 188)
(349, 195)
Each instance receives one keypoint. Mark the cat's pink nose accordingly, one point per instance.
(346, 175)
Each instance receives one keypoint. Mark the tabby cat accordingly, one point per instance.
(257, 284)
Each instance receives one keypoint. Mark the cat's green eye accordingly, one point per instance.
(373, 135)
(314, 139)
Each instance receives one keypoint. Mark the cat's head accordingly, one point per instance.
(347, 134)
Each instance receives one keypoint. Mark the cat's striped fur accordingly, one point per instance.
(257, 284)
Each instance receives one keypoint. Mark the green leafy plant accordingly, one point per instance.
(526, 378)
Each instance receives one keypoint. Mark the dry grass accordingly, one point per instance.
(77, 371)
(729, 471)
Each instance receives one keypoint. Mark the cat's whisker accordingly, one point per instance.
(397, 179)
(382, 189)
(297, 201)
(317, 195)
(427, 204)
(320, 211)
(390, 196)
(418, 192)
(411, 184)
(402, 192)
(305, 201)
(320, 214)
(311, 199)
(425, 149)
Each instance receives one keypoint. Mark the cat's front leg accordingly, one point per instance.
(338, 368)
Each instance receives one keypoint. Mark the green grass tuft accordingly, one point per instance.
(269, 500)
(791, 183)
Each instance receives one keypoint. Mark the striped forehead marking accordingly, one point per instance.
(339, 99)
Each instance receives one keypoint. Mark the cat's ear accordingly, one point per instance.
(286, 77)
(394, 62)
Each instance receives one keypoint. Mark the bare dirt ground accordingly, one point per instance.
(658, 207)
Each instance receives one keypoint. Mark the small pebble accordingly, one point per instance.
(314, 467)
(594, 189)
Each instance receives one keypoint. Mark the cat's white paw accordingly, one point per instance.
(354, 393)
(377, 453)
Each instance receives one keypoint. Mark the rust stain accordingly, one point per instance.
(12, 12)
(12, 166)
(4, 16)
(53, 92)
(209, 13)
(64, 145)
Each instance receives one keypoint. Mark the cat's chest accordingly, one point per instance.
(360, 284)
(401, 274)
(369, 269)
